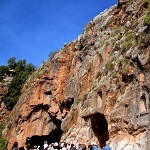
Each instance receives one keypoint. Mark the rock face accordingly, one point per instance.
(3, 90)
(96, 88)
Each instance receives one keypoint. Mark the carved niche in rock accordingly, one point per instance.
(144, 100)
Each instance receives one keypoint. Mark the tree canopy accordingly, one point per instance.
(19, 71)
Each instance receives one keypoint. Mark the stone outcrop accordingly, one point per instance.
(3, 90)
(96, 88)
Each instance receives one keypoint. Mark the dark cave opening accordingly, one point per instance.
(100, 93)
(138, 63)
(100, 128)
(54, 136)
(128, 78)
(48, 92)
(67, 104)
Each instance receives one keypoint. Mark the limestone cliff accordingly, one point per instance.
(95, 88)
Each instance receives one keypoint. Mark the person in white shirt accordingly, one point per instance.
(45, 145)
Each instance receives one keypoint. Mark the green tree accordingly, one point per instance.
(20, 75)
(11, 63)
(29, 68)
(20, 66)
(3, 71)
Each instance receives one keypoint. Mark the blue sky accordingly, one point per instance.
(32, 29)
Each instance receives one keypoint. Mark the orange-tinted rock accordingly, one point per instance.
(90, 92)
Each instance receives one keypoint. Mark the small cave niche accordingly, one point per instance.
(67, 104)
(100, 94)
(48, 92)
(126, 106)
(127, 109)
(128, 78)
(99, 99)
(143, 106)
(54, 136)
(144, 100)
(137, 62)
(100, 128)
(80, 59)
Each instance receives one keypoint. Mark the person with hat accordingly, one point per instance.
(95, 147)
(107, 147)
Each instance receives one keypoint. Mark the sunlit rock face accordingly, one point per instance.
(96, 88)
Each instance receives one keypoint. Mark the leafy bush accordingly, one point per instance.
(2, 144)
(2, 141)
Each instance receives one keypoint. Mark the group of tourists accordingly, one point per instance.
(64, 146)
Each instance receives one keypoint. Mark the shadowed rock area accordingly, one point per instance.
(96, 88)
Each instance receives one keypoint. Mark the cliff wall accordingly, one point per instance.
(96, 88)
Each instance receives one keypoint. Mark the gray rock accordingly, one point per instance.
(129, 10)
(128, 24)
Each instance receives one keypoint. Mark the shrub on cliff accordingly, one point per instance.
(2, 141)
(21, 71)
(146, 21)
(3, 70)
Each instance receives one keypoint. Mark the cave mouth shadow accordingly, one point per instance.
(100, 128)
(54, 136)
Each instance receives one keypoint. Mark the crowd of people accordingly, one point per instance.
(65, 146)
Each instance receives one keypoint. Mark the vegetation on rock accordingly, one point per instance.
(146, 20)
(2, 141)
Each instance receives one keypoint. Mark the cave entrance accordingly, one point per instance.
(128, 78)
(54, 136)
(100, 128)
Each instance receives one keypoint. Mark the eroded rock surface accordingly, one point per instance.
(94, 89)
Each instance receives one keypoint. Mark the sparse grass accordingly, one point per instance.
(124, 48)
(116, 47)
(119, 36)
(106, 44)
(94, 85)
(129, 42)
(101, 44)
(2, 140)
(125, 67)
(129, 18)
(109, 65)
(146, 20)
(135, 23)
